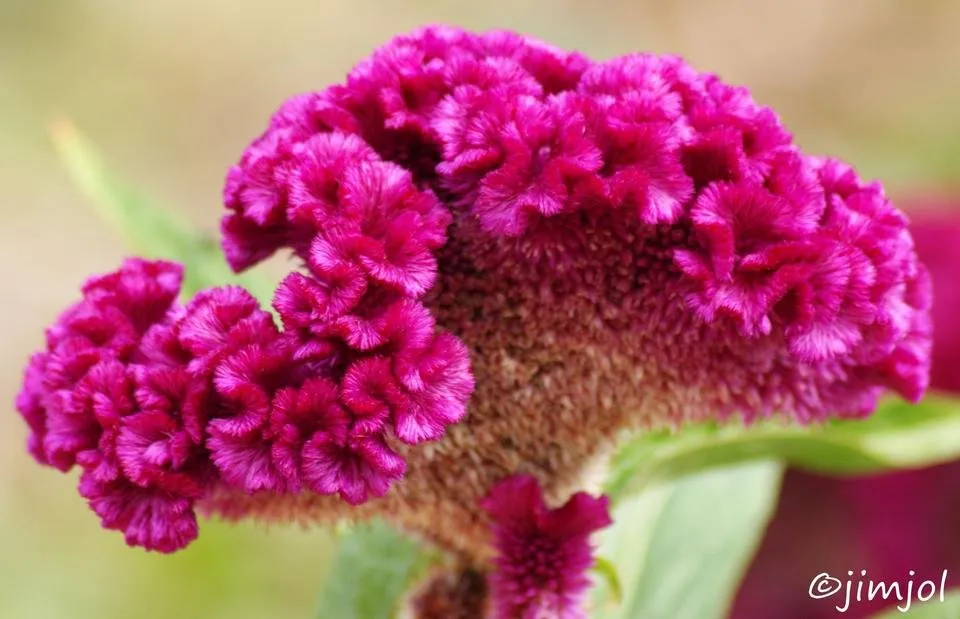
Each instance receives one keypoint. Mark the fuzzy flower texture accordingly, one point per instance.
(573, 248)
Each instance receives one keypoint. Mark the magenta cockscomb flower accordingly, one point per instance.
(619, 244)
(575, 248)
(543, 554)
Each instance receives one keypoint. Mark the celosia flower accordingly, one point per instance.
(576, 248)
(543, 554)
(887, 523)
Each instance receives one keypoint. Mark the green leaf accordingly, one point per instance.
(681, 547)
(606, 570)
(949, 608)
(374, 567)
(148, 229)
(897, 436)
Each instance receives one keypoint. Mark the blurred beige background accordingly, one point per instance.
(172, 90)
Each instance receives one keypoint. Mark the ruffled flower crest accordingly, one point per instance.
(574, 247)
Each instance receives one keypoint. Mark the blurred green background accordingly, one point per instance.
(172, 90)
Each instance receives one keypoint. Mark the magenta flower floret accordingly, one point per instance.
(366, 235)
(78, 385)
(390, 102)
(93, 399)
(543, 554)
(161, 404)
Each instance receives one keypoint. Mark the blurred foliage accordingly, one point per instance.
(681, 548)
(899, 435)
(374, 567)
(150, 230)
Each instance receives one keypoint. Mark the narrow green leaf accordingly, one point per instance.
(606, 570)
(898, 435)
(374, 567)
(681, 547)
(148, 229)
